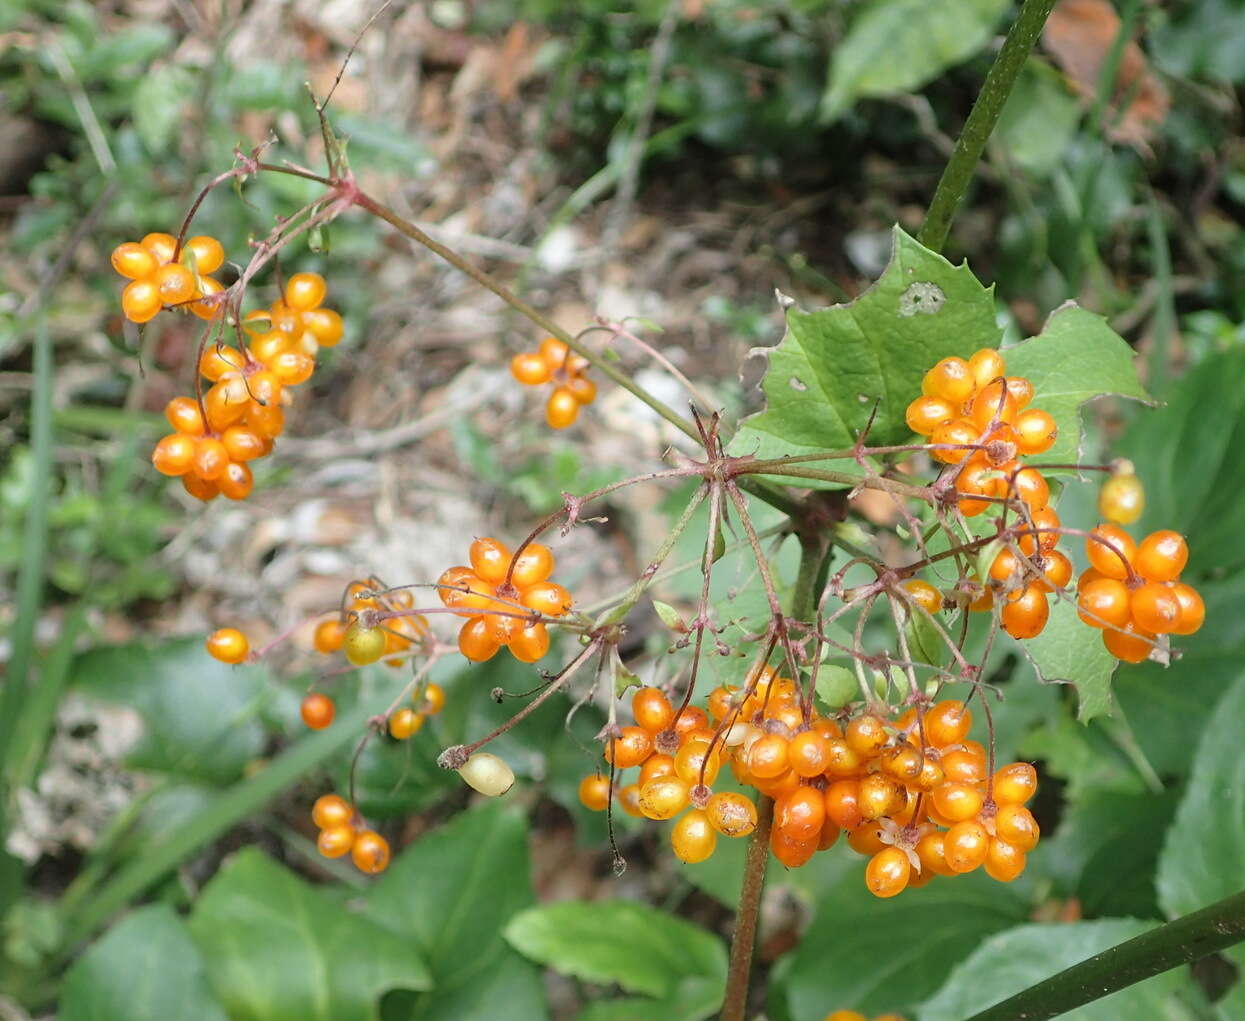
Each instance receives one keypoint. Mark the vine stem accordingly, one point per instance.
(1181, 941)
(958, 173)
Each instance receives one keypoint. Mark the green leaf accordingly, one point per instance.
(200, 713)
(897, 46)
(449, 895)
(158, 106)
(277, 948)
(696, 998)
(1014, 960)
(1069, 652)
(835, 363)
(849, 954)
(1208, 834)
(1183, 455)
(1076, 358)
(145, 968)
(836, 685)
(670, 616)
(1038, 119)
(639, 948)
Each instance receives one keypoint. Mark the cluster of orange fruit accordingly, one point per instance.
(241, 414)
(158, 280)
(914, 795)
(503, 595)
(556, 363)
(1132, 591)
(342, 832)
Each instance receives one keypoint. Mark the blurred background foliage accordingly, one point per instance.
(678, 160)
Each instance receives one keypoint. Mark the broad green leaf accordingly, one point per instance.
(1105, 849)
(145, 968)
(1070, 652)
(1076, 358)
(200, 714)
(849, 955)
(1206, 842)
(1186, 454)
(1012, 961)
(897, 46)
(837, 685)
(278, 949)
(696, 998)
(1038, 119)
(158, 103)
(449, 895)
(835, 363)
(639, 948)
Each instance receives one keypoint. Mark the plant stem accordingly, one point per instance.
(735, 1003)
(1179, 942)
(981, 120)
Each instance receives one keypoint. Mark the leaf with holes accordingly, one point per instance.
(835, 364)
(1076, 358)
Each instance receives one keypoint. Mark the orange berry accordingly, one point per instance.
(530, 369)
(1104, 603)
(291, 367)
(629, 748)
(656, 765)
(370, 852)
(140, 300)
(960, 765)
(207, 252)
(879, 795)
(956, 802)
(1130, 644)
(133, 261)
(1161, 556)
(1021, 390)
(768, 756)
(562, 408)
(978, 479)
(789, 850)
(236, 481)
(1154, 607)
(329, 636)
(228, 644)
(808, 753)
(405, 723)
(1036, 431)
(925, 414)
(1015, 824)
(1106, 559)
(1004, 862)
(243, 443)
(664, 797)
(184, 416)
(490, 560)
(1014, 784)
(317, 710)
(161, 246)
(530, 644)
(801, 813)
(992, 403)
(1056, 570)
(594, 792)
(1030, 486)
(842, 800)
(210, 458)
(434, 699)
(175, 283)
(693, 838)
(226, 402)
(887, 872)
(325, 325)
(305, 291)
(652, 710)
(476, 640)
(958, 430)
(200, 489)
(923, 594)
(533, 565)
(731, 814)
(335, 841)
(866, 839)
(947, 722)
(582, 389)
(548, 598)
(629, 800)
(951, 379)
(174, 454)
(1192, 609)
(331, 810)
(965, 846)
(987, 365)
(1026, 615)
(217, 361)
(931, 850)
(866, 736)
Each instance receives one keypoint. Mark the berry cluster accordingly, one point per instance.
(972, 402)
(914, 795)
(158, 281)
(241, 414)
(343, 832)
(504, 596)
(556, 363)
(1133, 592)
